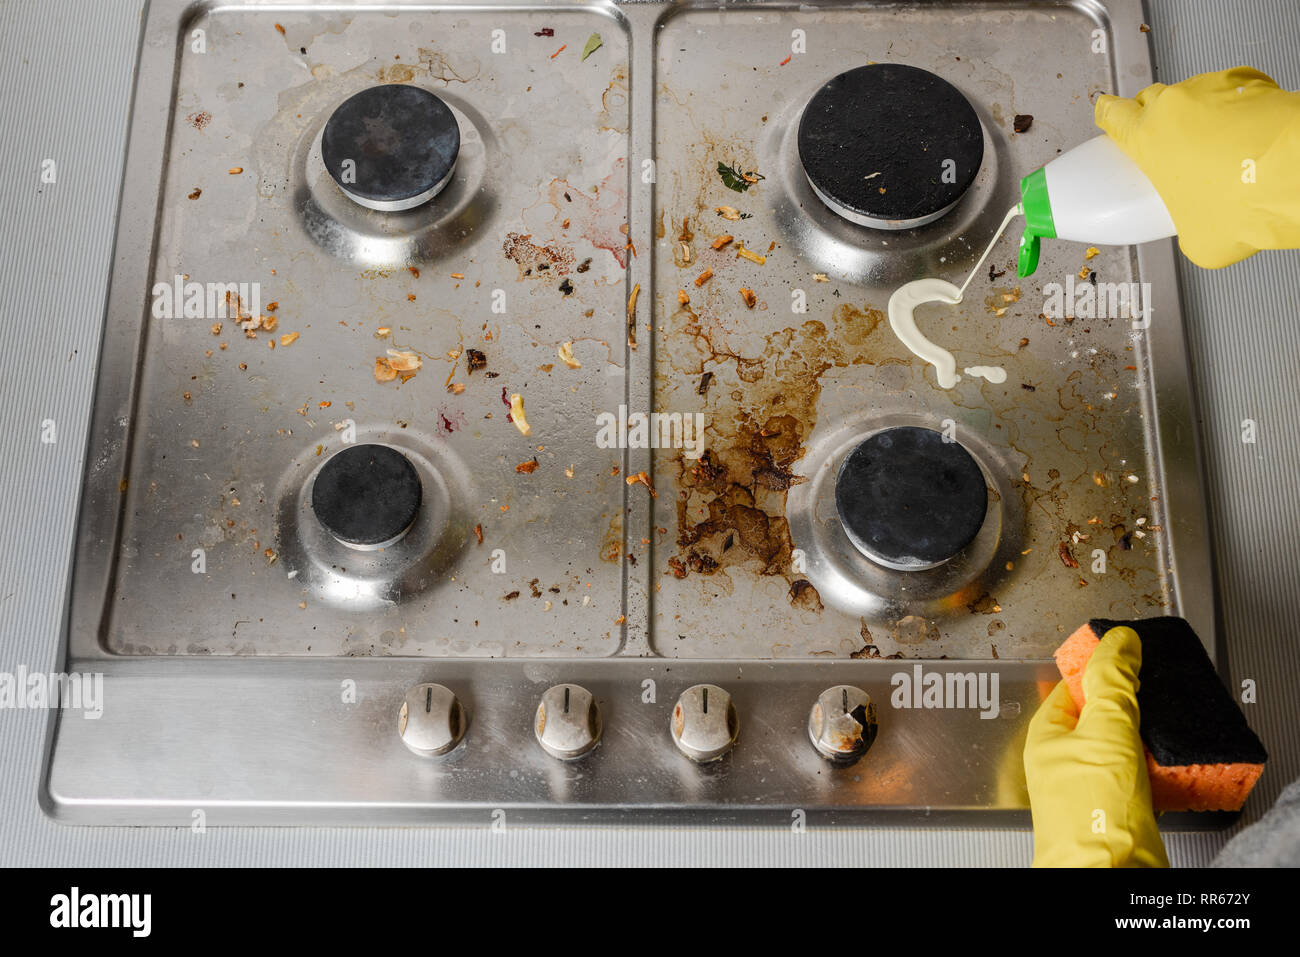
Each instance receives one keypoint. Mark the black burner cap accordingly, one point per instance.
(402, 141)
(910, 499)
(367, 495)
(874, 141)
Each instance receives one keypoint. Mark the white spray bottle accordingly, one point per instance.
(1092, 194)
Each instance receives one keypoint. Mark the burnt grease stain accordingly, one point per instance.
(761, 410)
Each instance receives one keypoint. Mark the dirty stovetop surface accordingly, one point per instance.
(556, 237)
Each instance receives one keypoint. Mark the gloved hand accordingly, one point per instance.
(1192, 138)
(1086, 771)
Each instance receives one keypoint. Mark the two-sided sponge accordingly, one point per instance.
(1201, 754)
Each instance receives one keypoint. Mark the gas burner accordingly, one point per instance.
(876, 144)
(391, 147)
(367, 496)
(910, 499)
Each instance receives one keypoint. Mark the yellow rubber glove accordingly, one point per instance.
(1087, 771)
(1223, 151)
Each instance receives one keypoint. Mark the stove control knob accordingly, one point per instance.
(432, 720)
(568, 722)
(842, 724)
(704, 723)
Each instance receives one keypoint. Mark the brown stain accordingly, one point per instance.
(760, 410)
(537, 261)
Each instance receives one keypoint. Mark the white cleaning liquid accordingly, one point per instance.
(905, 300)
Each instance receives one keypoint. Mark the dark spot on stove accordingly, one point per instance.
(584, 265)
(705, 381)
(804, 595)
(477, 360)
(1022, 122)
(995, 273)
(985, 604)
(1027, 387)
(1092, 277)
(510, 596)
(566, 287)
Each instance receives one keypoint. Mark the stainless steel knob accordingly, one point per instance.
(432, 720)
(568, 722)
(704, 723)
(842, 724)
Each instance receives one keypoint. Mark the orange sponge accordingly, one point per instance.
(1201, 754)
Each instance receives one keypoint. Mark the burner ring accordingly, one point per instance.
(367, 496)
(875, 143)
(909, 499)
(391, 147)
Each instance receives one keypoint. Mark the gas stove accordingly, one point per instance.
(498, 422)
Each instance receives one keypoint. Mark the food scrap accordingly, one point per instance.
(631, 315)
(527, 468)
(405, 363)
(722, 241)
(743, 253)
(517, 414)
(643, 479)
(703, 277)
(736, 179)
(594, 43)
(1022, 122)
(750, 299)
(566, 356)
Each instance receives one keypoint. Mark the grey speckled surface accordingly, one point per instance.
(65, 78)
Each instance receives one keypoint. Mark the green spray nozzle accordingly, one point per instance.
(1036, 206)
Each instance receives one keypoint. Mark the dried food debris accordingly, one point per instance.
(703, 277)
(804, 595)
(594, 43)
(1067, 559)
(517, 414)
(565, 352)
(750, 298)
(289, 338)
(728, 212)
(1022, 122)
(475, 359)
(397, 362)
(736, 179)
(631, 315)
(643, 479)
(722, 240)
(527, 468)
(743, 253)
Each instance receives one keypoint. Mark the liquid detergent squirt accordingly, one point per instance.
(1092, 194)
(905, 300)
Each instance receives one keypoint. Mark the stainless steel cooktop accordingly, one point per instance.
(374, 529)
